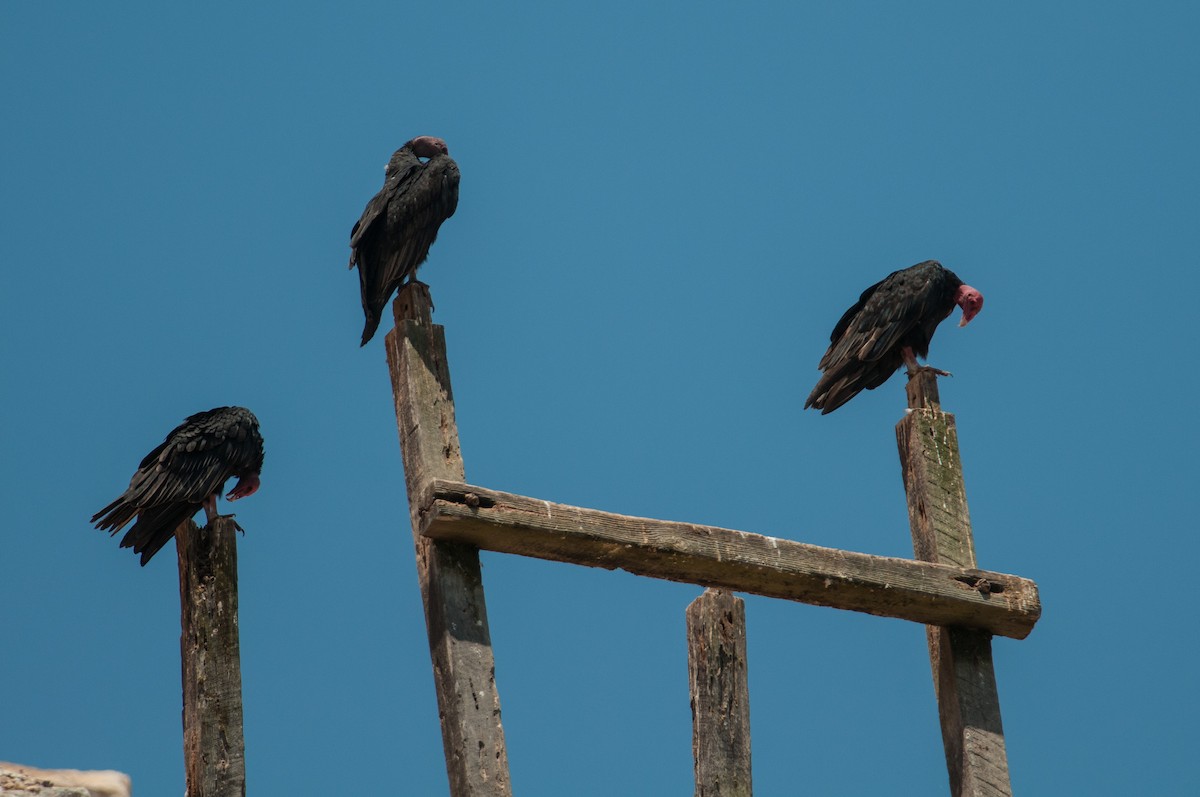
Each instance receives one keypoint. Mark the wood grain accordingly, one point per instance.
(720, 694)
(213, 743)
(961, 658)
(731, 560)
(451, 584)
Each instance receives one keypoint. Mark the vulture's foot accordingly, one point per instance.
(927, 369)
(230, 516)
(424, 288)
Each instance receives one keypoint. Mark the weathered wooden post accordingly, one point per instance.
(460, 644)
(213, 745)
(964, 680)
(720, 694)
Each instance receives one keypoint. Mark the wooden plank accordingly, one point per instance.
(961, 658)
(732, 560)
(720, 694)
(451, 584)
(213, 744)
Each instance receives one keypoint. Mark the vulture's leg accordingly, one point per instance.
(210, 508)
(910, 361)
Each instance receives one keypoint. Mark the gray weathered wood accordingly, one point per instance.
(213, 745)
(720, 695)
(460, 644)
(964, 679)
(733, 560)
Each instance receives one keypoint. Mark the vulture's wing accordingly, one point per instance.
(872, 329)
(194, 461)
(371, 225)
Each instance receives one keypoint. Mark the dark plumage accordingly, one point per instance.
(890, 325)
(401, 222)
(185, 473)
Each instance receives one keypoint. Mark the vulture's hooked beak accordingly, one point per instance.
(247, 485)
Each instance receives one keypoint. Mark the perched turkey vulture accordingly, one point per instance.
(185, 473)
(890, 325)
(401, 222)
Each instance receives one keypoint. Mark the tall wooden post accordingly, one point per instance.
(460, 644)
(716, 629)
(964, 679)
(213, 745)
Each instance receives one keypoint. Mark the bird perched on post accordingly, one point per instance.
(890, 325)
(185, 473)
(401, 222)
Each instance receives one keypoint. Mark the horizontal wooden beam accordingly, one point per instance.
(922, 592)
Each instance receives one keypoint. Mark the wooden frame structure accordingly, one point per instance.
(961, 605)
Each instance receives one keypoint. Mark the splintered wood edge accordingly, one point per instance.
(740, 561)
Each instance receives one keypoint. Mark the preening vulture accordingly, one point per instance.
(890, 325)
(401, 222)
(185, 473)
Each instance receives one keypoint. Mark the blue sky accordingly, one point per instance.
(663, 212)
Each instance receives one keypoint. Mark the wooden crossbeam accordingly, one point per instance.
(732, 560)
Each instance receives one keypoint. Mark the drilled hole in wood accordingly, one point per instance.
(477, 501)
(981, 585)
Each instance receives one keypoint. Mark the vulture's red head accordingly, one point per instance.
(428, 147)
(971, 302)
(246, 485)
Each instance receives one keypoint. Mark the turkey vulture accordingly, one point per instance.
(890, 325)
(401, 222)
(186, 472)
